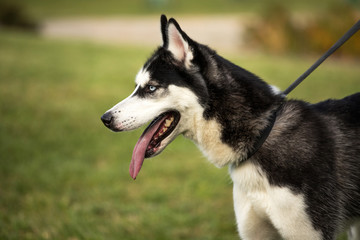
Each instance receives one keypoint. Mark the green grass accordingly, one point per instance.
(63, 175)
(64, 8)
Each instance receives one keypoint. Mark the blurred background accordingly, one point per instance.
(63, 63)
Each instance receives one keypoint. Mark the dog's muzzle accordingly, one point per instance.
(107, 119)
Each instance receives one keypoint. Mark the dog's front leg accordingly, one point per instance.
(251, 225)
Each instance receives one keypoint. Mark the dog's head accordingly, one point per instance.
(164, 94)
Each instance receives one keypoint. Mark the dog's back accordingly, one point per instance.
(347, 110)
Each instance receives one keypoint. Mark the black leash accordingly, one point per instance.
(265, 132)
(338, 44)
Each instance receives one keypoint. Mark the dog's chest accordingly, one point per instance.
(251, 187)
(256, 198)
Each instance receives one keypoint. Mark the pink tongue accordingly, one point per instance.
(140, 149)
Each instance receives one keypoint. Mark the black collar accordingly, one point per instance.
(264, 133)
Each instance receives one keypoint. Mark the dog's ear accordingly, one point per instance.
(177, 42)
(163, 22)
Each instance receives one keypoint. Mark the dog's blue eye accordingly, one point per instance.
(151, 88)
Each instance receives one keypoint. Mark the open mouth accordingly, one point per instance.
(149, 144)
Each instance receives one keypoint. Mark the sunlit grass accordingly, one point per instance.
(63, 175)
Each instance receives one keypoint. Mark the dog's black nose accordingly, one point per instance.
(107, 119)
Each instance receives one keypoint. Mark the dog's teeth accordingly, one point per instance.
(162, 131)
(167, 123)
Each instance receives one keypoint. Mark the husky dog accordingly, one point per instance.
(302, 182)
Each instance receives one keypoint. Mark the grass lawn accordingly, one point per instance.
(63, 175)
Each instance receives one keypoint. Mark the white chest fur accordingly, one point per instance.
(264, 211)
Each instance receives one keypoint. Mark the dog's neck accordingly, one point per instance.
(206, 134)
(228, 128)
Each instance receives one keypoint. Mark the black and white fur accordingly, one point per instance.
(303, 183)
